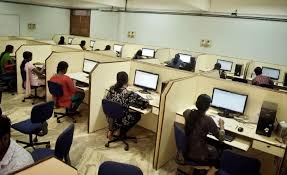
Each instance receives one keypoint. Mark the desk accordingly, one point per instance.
(82, 77)
(50, 166)
(277, 85)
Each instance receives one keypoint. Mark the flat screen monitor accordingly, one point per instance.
(229, 101)
(271, 72)
(225, 65)
(89, 65)
(148, 52)
(92, 43)
(70, 40)
(185, 58)
(146, 80)
(118, 48)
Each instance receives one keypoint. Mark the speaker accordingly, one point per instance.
(285, 80)
(238, 70)
(267, 118)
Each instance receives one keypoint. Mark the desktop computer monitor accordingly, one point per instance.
(146, 80)
(271, 72)
(184, 57)
(225, 65)
(92, 43)
(148, 52)
(228, 101)
(89, 65)
(70, 40)
(118, 48)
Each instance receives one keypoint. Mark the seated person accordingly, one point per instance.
(83, 45)
(108, 47)
(119, 93)
(12, 156)
(72, 97)
(31, 75)
(138, 55)
(6, 59)
(62, 41)
(176, 62)
(260, 79)
(216, 72)
(197, 126)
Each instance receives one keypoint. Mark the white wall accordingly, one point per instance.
(49, 21)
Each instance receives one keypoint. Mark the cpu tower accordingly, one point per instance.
(267, 118)
(238, 70)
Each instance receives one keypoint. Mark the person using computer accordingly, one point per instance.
(216, 72)
(176, 62)
(62, 41)
(138, 55)
(6, 61)
(197, 126)
(12, 156)
(261, 80)
(72, 97)
(83, 45)
(119, 93)
(108, 47)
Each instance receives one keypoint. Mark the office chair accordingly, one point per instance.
(39, 115)
(115, 111)
(62, 148)
(112, 168)
(57, 91)
(235, 164)
(181, 145)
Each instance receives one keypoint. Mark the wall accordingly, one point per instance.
(48, 20)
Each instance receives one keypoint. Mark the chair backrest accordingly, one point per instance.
(112, 168)
(55, 89)
(235, 164)
(64, 142)
(42, 112)
(180, 138)
(113, 109)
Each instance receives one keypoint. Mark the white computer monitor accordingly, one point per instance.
(70, 40)
(271, 72)
(92, 43)
(185, 58)
(225, 65)
(146, 80)
(229, 101)
(148, 52)
(89, 65)
(118, 48)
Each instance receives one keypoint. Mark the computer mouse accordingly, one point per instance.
(240, 129)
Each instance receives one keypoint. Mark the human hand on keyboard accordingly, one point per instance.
(221, 123)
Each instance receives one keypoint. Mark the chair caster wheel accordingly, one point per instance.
(126, 148)
(58, 121)
(135, 141)
(33, 103)
(35, 140)
(55, 115)
(107, 145)
(74, 121)
(23, 101)
(48, 146)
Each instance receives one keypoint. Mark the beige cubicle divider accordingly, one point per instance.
(151, 61)
(129, 50)
(6, 38)
(253, 65)
(182, 94)
(163, 55)
(101, 44)
(47, 42)
(107, 53)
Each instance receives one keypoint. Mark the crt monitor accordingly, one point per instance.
(118, 48)
(185, 58)
(225, 65)
(229, 101)
(148, 52)
(146, 80)
(70, 40)
(92, 43)
(89, 65)
(271, 72)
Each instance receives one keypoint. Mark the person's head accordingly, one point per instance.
(9, 49)
(203, 103)
(176, 58)
(217, 66)
(62, 67)
(139, 53)
(258, 71)
(122, 80)
(27, 56)
(5, 129)
(108, 47)
(62, 38)
(83, 43)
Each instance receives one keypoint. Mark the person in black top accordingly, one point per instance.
(62, 41)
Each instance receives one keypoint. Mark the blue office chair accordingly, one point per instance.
(39, 115)
(112, 168)
(57, 91)
(235, 164)
(62, 147)
(181, 145)
(115, 111)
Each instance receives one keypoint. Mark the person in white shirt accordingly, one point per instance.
(12, 156)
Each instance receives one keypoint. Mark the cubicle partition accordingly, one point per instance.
(182, 94)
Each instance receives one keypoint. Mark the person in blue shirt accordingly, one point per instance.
(176, 62)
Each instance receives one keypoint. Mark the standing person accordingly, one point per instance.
(83, 45)
(62, 41)
(6, 59)
(260, 79)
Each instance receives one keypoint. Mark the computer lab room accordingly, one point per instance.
(154, 87)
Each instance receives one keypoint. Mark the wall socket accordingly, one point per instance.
(205, 43)
(31, 26)
(131, 34)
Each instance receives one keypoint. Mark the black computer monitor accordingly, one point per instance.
(225, 65)
(185, 57)
(92, 43)
(70, 40)
(229, 102)
(118, 48)
(89, 65)
(148, 52)
(271, 72)
(146, 80)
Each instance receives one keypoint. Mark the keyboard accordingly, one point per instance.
(81, 84)
(229, 136)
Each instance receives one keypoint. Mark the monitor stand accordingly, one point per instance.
(144, 91)
(225, 114)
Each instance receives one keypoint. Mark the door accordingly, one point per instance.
(80, 22)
